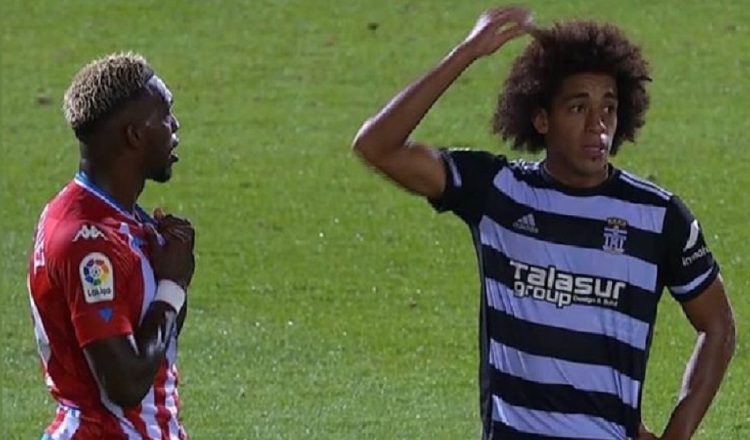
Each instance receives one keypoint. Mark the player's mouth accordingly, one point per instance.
(597, 149)
(594, 150)
(173, 157)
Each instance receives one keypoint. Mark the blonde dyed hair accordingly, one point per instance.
(101, 86)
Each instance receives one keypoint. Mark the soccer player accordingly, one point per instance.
(108, 282)
(573, 252)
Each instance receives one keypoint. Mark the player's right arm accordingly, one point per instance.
(99, 284)
(382, 141)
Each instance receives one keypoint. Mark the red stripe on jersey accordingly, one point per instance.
(134, 416)
(160, 398)
(59, 417)
(176, 397)
(175, 388)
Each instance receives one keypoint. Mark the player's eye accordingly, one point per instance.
(577, 108)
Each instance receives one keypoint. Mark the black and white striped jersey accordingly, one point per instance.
(570, 283)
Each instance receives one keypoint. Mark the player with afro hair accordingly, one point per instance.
(573, 252)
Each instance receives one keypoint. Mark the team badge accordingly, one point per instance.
(615, 235)
(97, 278)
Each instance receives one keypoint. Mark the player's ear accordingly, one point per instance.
(132, 134)
(541, 121)
(135, 135)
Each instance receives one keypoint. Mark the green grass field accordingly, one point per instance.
(328, 304)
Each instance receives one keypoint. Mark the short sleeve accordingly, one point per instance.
(469, 175)
(91, 266)
(689, 266)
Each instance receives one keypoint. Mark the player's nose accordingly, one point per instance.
(595, 123)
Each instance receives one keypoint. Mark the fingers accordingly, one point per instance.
(507, 23)
(181, 233)
(178, 228)
(158, 214)
(152, 238)
(162, 217)
(516, 14)
(173, 227)
(177, 234)
(535, 31)
(170, 220)
(510, 33)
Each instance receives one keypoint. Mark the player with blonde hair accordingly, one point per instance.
(107, 282)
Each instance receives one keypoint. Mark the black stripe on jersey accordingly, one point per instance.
(569, 230)
(634, 302)
(700, 288)
(501, 431)
(616, 187)
(569, 345)
(563, 399)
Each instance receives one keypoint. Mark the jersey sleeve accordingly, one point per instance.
(469, 175)
(91, 266)
(689, 266)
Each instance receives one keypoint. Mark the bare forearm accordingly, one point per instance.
(126, 366)
(152, 341)
(392, 125)
(703, 375)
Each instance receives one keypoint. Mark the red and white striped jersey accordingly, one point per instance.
(90, 278)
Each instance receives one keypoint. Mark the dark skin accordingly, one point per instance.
(180, 229)
(711, 316)
(131, 146)
(578, 127)
(382, 142)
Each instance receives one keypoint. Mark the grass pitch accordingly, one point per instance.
(328, 304)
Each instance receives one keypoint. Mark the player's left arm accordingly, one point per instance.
(693, 277)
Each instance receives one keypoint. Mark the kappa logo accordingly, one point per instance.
(97, 278)
(89, 232)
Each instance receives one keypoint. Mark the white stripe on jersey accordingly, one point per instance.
(681, 290)
(148, 414)
(644, 185)
(67, 429)
(42, 340)
(171, 403)
(591, 207)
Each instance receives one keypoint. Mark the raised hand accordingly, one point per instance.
(496, 27)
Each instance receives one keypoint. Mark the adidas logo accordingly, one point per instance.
(526, 223)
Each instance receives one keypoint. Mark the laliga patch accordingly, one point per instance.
(97, 278)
